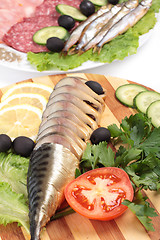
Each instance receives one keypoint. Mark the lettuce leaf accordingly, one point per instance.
(13, 207)
(13, 189)
(117, 49)
(13, 170)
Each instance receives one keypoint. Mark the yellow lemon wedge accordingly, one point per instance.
(33, 99)
(20, 120)
(28, 87)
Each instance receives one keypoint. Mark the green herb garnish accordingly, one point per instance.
(138, 155)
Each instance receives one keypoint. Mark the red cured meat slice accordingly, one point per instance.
(7, 18)
(20, 35)
(48, 6)
(13, 11)
(23, 7)
(8, 4)
(29, 6)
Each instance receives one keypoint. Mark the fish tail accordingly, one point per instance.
(97, 49)
(34, 231)
(72, 51)
(63, 53)
(94, 49)
(37, 166)
(48, 163)
(80, 52)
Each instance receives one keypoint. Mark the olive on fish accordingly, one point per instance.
(87, 8)
(99, 135)
(55, 44)
(95, 86)
(23, 146)
(66, 21)
(5, 143)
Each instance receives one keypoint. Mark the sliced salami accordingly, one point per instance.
(29, 6)
(13, 11)
(48, 6)
(7, 18)
(20, 35)
(8, 4)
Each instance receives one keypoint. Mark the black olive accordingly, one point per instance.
(99, 135)
(23, 146)
(114, 2)
(5, 143)
(66, 21)
(55, 44)
(95, 86)
(87, 8)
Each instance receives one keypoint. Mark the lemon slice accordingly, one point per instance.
(20, 120)
(33, 99)
(28, 87)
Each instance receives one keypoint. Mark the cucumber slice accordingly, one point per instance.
(99, 2)
(75, 13)
(153, 112)
(41, 36)
(144, 99)
(126, 93)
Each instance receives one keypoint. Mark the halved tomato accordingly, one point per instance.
(98, 194)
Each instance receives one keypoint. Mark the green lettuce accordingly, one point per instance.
(13, 189)
(117, 49)
(13, 170)
(13, 207)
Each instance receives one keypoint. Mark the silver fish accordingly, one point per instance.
(79, 130)
(60, 128)
(75, 35)
(125, 23)
(79, 84)
(95, 26)
(60, 114)
(68, 97)
(78, 93)
(126, 8)
(51, 167)
(59, 147)
(66, 105)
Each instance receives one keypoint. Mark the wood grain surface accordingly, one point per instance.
(74, 226)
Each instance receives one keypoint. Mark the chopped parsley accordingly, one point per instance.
(138, 154)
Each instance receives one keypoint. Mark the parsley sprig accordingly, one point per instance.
(138, 154)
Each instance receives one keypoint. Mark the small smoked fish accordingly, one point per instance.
(126, 8)
(75, 35)
(67, 123)
(95, 26)
(125, 23)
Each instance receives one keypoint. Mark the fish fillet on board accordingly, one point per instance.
(57, 153)
(74, 226)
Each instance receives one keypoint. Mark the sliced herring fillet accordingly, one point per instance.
(62, 129)
(64, 140)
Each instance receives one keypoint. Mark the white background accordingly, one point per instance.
(143, 67)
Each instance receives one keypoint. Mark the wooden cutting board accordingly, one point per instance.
(74, 226)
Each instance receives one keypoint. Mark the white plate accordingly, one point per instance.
(17, 60)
